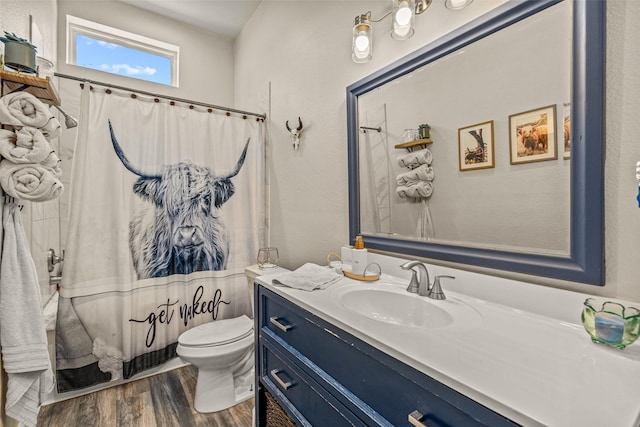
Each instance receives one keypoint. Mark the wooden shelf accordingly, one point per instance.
(412, 144)
(39, 87)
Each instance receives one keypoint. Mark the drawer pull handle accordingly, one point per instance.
(415, 418)
(276, 322)
(283, 384)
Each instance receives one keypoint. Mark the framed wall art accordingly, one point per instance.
(566, 114)
(532, 135)
(475, 146)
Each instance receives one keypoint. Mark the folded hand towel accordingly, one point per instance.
(415, 158)
(22, 336)
(421, 173)
(23, 109)
(27, 145)
(309, 277)
(30, 181)
(416, 190)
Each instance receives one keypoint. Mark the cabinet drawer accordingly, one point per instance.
(391, 388)
(298, 390)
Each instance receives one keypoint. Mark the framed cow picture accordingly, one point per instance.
(566, 131)
(532, 135)
(475, 147)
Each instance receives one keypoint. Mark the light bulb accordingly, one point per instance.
(362, 43)
(403, 15)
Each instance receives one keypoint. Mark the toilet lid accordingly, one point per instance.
(218, 332)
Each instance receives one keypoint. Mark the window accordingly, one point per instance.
(99, 47)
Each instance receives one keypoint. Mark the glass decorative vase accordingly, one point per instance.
(613, 324)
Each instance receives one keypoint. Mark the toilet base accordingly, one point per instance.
(217, 390)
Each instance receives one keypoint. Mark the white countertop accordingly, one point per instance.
(526, 355)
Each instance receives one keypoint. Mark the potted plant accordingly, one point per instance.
(19, 54)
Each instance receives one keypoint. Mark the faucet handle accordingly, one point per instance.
(413, 283)
(436, 290)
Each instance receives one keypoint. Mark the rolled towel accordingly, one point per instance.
(30, 181)
(421, 173)
(415, 158)
(416, 190)
(23, 109)
(52, 128)
(27, 145)
(53, 162)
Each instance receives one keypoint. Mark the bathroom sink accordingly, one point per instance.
(391, 304)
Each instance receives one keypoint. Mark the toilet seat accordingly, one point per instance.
(217, 333)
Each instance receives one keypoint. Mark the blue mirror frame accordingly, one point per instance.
(585, 263)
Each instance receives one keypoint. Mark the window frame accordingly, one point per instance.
(78, 26)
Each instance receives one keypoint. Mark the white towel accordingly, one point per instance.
(309, 277)
(416, 190)
(30, 181)
(26, 145)
(23, 109)
(53, 162)
(421, 173)
(51, 129)
(23, 337)
(415, 158)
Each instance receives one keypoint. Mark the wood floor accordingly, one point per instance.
(164, 400)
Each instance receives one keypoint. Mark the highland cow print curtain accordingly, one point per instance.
(166, 211)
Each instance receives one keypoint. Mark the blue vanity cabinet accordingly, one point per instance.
(324, 376)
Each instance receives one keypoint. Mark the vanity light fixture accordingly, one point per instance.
(403, 14)
(362, 41)
(403, 19)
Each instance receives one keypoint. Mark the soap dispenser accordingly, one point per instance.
(358, 257)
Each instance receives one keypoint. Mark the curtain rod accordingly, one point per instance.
(171, 98)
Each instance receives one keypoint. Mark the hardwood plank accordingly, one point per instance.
(106, 407)
(162, 400)
(136, 411)
(170, 403)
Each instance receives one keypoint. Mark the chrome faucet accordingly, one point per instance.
(422, 286)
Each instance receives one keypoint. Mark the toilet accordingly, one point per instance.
(223, 352)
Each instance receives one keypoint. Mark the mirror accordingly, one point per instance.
(523, 207)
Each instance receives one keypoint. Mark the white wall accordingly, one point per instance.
(303, 50)
(206, 59)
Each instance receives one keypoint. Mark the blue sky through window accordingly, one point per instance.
(116, 59)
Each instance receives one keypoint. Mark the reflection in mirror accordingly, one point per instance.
(495, 187)
(524, 206)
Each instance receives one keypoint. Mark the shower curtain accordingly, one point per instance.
(166, 211)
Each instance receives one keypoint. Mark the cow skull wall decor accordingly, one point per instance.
(295, 133)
